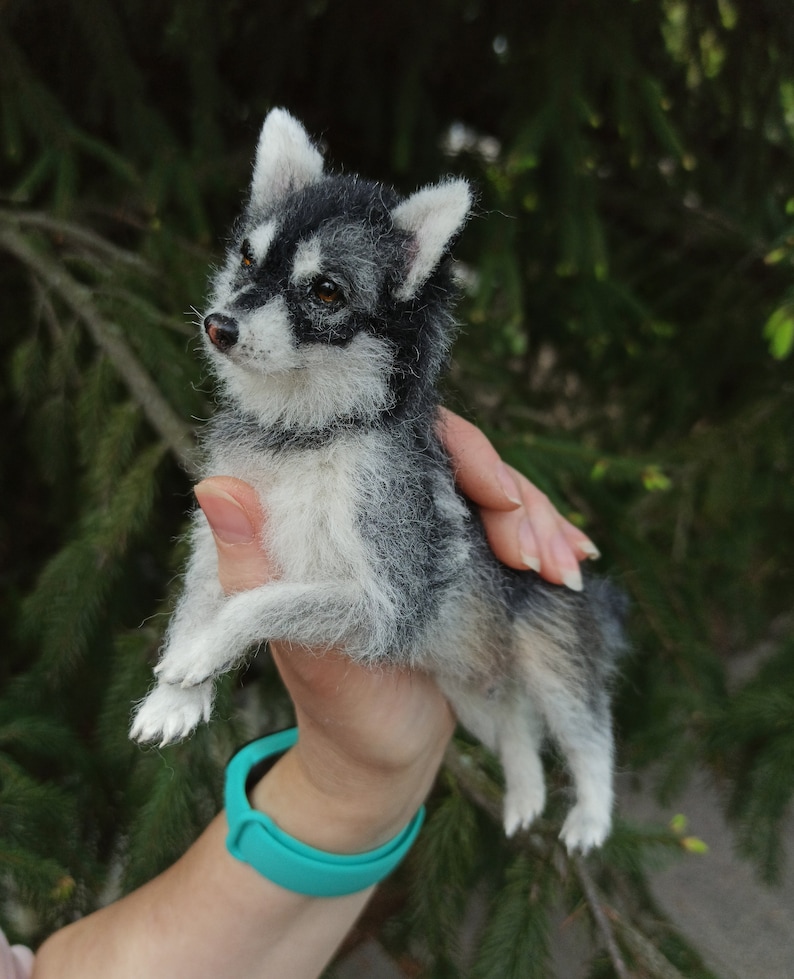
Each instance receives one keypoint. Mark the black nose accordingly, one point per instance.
(222, 331)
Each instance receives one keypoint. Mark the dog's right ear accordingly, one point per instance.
(286, 160)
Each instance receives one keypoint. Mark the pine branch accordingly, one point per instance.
(479, 789)
(658, 965)
(81, 235)
(169, 426)
(516, 943)
(595, 905)
(472, 781)
(608, 920)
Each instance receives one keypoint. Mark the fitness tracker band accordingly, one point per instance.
(255, 839)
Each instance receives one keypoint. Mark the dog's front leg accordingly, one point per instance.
(317, 615)
(202, 596)
(170, 712)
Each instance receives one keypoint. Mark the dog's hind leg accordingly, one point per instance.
(583, 732)
(508, 724)
(520, 740)
(576, 711)
(587, 743)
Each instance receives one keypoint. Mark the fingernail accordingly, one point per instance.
(527, 545)
(227, 519)
(589, 549)
(508, 483)
(572, 579)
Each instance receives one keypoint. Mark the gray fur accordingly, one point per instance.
(330, 325)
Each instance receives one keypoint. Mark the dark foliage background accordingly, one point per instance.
(627, 340)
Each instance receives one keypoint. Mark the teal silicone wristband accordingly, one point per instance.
(256, 840)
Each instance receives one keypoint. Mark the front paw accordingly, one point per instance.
(169, 713)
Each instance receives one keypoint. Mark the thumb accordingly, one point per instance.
(235, 517)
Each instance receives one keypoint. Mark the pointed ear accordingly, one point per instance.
(286, 159)
(432, 216)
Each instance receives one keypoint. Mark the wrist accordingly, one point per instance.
(333, 863)
(341, 808)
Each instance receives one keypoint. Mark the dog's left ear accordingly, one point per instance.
(286, 159)
(432, 217)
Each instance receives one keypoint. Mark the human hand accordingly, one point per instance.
(523, 526)
(371, 737)
(378, 735)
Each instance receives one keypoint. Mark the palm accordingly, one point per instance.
(380, 718)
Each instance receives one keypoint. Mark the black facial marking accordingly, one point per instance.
(363, 257)
(246, 253)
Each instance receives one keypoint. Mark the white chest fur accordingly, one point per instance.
(312, 498)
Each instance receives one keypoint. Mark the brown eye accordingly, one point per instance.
(246, 253)
(327, 291)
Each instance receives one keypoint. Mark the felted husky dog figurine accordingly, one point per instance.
(330, 324)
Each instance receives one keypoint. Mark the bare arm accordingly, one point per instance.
(369, 749)
(209, 915)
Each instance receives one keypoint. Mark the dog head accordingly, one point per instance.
(334, 298)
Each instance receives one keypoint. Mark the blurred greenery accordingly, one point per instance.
(627, 338)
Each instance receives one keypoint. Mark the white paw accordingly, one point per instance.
(169, 713)
(523, 803)
(585, 827)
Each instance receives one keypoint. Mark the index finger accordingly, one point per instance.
(479, 471)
